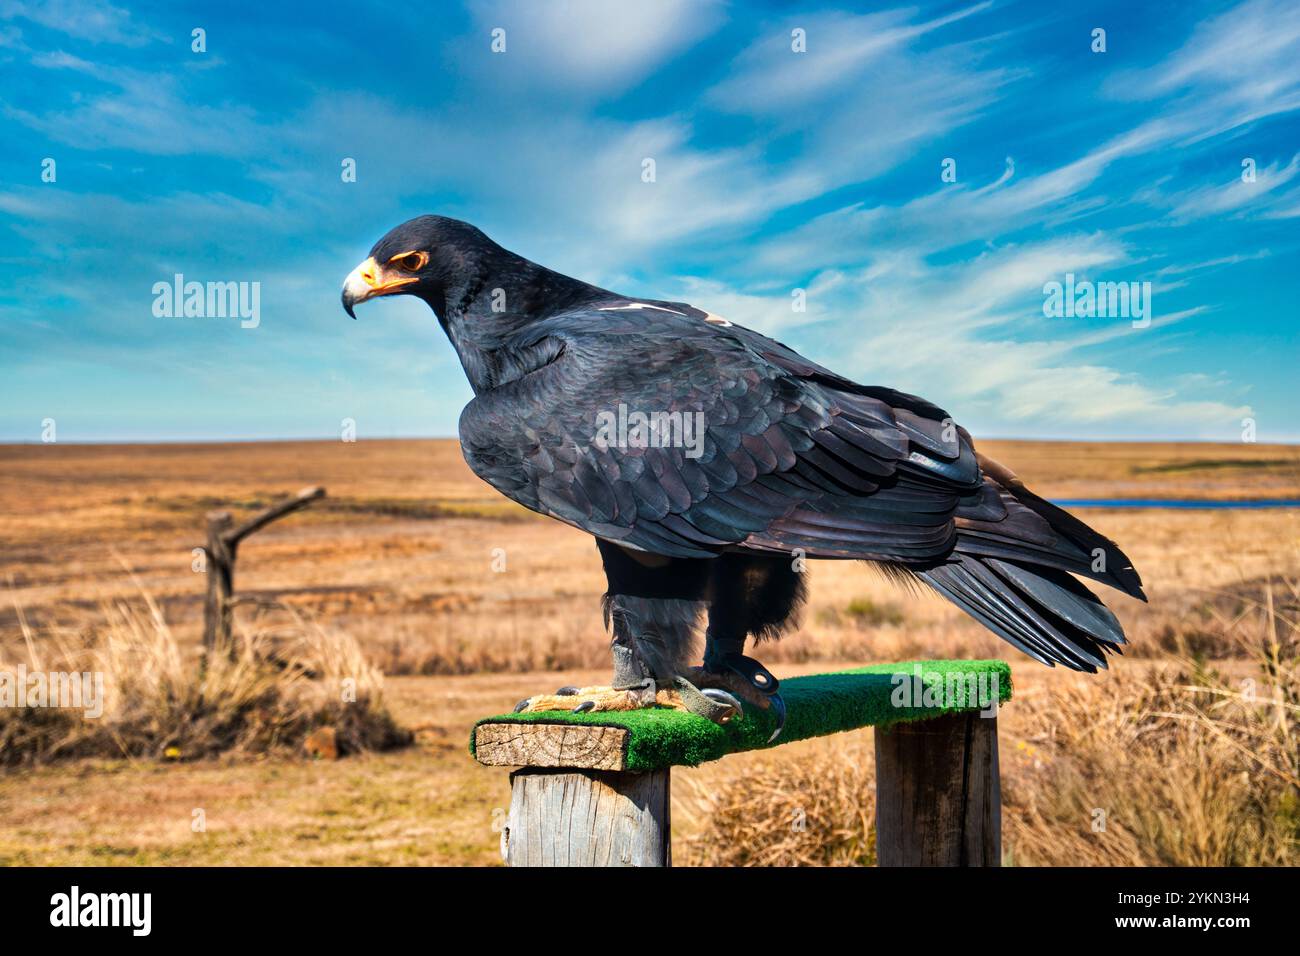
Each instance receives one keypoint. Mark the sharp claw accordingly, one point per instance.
(521, 705)
(585, 706)
(567, 690)
(722, 697)
(778, 707)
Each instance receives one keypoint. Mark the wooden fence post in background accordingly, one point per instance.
(221, 550)
(221, 571)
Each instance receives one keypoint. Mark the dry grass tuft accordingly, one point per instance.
(160, 701)
(816, 810)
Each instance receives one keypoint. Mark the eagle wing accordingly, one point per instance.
(787, 455)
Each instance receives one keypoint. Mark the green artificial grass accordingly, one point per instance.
(875, 696)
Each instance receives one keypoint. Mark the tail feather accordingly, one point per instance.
(963, 591)
(1058, 592)
(1011, 569)
(1072, 545)
(1032, 608)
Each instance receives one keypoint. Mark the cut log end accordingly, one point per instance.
(569, 746)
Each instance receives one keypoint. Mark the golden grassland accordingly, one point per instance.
(399, 558)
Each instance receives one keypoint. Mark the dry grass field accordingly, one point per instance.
(400, 559)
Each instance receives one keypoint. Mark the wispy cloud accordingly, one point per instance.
(588, 47)
(1263, 193)
(1237, 67)
(862, 94)
(140, 111)
(88, 20)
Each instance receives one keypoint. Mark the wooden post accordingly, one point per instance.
(588, 818)
(938, 795)
(221, 579)
(221, 549)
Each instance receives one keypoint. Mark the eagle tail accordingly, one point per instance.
(1043, 611)
(1013, 575)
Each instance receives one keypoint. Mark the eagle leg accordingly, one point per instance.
(652, 606)
(749, 596)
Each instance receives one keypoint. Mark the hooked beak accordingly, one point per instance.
(367, 281)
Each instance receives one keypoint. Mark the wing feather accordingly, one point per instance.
(792, 455)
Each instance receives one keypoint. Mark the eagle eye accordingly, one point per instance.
(410, 261)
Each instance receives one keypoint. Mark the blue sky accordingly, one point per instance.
(774, 171)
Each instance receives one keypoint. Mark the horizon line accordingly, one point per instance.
(8, 442)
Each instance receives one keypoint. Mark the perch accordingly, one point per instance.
(594, 789)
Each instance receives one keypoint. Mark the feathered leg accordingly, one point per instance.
(652, 607)
(754, 596)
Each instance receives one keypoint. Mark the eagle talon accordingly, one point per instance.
(585, 706)
(521, 705)
(728, 700)
(568, 690)
(778, 707)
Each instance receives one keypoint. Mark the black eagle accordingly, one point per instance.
(791, 462)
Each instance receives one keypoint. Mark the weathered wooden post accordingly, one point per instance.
(221, 550)
(938, 793)
(588, 818)
(594, 789)
(220, 563)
